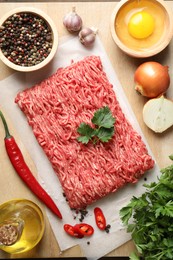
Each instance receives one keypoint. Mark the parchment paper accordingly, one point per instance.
(101, 242)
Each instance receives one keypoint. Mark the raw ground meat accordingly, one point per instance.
(55, 108)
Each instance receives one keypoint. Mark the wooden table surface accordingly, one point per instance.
(95, 14)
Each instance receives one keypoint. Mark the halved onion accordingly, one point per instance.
(158, 114)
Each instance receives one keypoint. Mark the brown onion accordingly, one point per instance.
(151, 79)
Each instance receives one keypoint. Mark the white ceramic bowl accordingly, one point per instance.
(42, 16)
(155, 48)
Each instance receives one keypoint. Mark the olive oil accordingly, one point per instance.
(154, 9)
(21, 226)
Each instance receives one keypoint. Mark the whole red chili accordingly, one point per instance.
(100, 218)
(24, 172)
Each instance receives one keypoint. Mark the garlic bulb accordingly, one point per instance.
(87, 36)
(72, 21)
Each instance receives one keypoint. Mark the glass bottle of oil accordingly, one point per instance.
(21, 225)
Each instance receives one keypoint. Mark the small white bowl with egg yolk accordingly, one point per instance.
(142, 28)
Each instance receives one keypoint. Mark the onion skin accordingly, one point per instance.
(151, 79)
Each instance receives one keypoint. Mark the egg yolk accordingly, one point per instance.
(141, 25)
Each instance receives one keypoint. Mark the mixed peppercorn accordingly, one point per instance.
(25, 39)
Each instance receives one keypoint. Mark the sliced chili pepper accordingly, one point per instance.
(71, 231)
(84, 229)
(100, 218)
(24, 172)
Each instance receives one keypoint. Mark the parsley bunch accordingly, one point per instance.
(152, 218)
(104, 127)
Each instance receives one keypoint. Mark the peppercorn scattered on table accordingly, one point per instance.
(161, 144)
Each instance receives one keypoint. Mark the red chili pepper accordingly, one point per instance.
(71, 231)
(24, 172)
(100, 218)
(84, 229)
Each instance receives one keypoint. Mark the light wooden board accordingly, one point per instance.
(96, 14)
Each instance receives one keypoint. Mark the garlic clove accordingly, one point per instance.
(157, 114)
(87, 36)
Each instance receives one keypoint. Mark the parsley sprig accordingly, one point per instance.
(103, 130)
(149, 218)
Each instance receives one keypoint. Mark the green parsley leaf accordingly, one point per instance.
(86, 131)
(134, 256)
(104, 127)
(171, 157)
(125, 214)
(103, 118)
(165, 210)
(105, 134)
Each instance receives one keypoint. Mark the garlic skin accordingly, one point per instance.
(87, 36)
(72, 21)
(157, 114)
